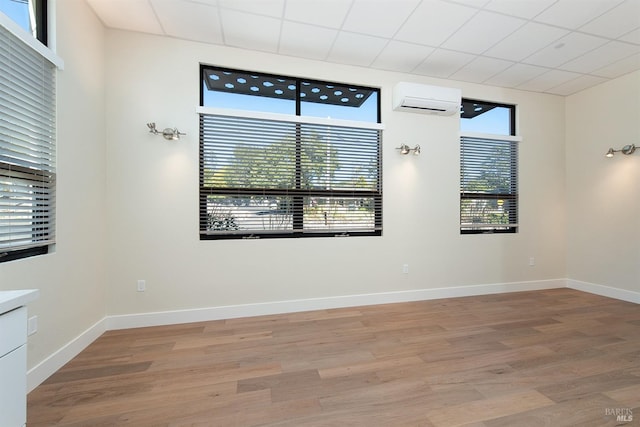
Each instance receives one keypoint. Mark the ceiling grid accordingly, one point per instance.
(550, 46)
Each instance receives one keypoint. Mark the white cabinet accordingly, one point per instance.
(13, 390)
(13, 357)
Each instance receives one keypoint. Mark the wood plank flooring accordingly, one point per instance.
(546, 358)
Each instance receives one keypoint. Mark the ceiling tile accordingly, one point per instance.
(575, 85)
(620, 68)
(478, 4)
(598, 58)
(250, 31)
(378, 17)
(205, 2)
(273, 8)
(482, 31)
(132, 15)
(443, 63)
(528, 44)
(480, 69)
(433, 22)
(632, 37)
(573, 14)
(327, 13)
(516, 75)
(565, 49)
(400, 56)
(521, 8)
(306, 41)
(192, 21)
(616, 22)
(526, 41)
(546, 81)
(356, 49)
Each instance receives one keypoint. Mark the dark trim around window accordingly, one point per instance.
(42, 22)
(24, 253)
(512, 196)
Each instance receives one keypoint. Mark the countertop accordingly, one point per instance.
(10, 300)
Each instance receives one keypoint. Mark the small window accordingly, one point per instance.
(31, 15)
(287, 157)
(488, 168)
(241, 90)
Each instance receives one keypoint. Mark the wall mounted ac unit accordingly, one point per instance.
(419, 98)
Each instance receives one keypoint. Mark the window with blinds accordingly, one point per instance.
(268, 174)
(27, 149)
(488, 169)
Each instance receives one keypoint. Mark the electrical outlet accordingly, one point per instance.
(405, 268)
(532, 261)
(142, 285)
(32, 325)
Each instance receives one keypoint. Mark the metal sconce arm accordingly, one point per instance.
(627, 149)
(405, 149)
(167, 133)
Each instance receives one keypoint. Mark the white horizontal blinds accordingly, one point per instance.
(27, 146)
(488, 184)
(273, 176)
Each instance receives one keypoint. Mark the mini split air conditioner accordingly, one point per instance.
(419, 98)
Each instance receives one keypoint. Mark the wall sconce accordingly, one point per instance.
(405, 149)
(168, 133)
(627, 149)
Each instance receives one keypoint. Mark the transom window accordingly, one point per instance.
(488, 168)
(288, 157)
(31, 15)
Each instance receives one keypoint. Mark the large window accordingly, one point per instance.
(27, 144)
(488, 168)
(288, 157)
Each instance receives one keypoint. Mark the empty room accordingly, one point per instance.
(319, 213)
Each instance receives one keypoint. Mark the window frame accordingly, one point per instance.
(31, 51)
(298, 193)
(42, 21)
(512, 140)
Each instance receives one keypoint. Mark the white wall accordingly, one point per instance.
(114, 176)
(72, 278)
(152, 194)
(603, 204)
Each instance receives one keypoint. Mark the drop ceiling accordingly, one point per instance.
(550, 46)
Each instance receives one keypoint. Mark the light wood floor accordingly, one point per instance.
(546, 358)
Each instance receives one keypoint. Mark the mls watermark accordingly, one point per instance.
(621, 414)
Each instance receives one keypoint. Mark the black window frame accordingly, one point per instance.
(298, 193)
(42, 22)
(513, 195)
(37, 179)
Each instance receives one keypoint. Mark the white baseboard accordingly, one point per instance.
(127, 321)
(51, 364)
(43, 370)
(605, 291)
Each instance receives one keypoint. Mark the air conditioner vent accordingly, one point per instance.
(419, 98)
